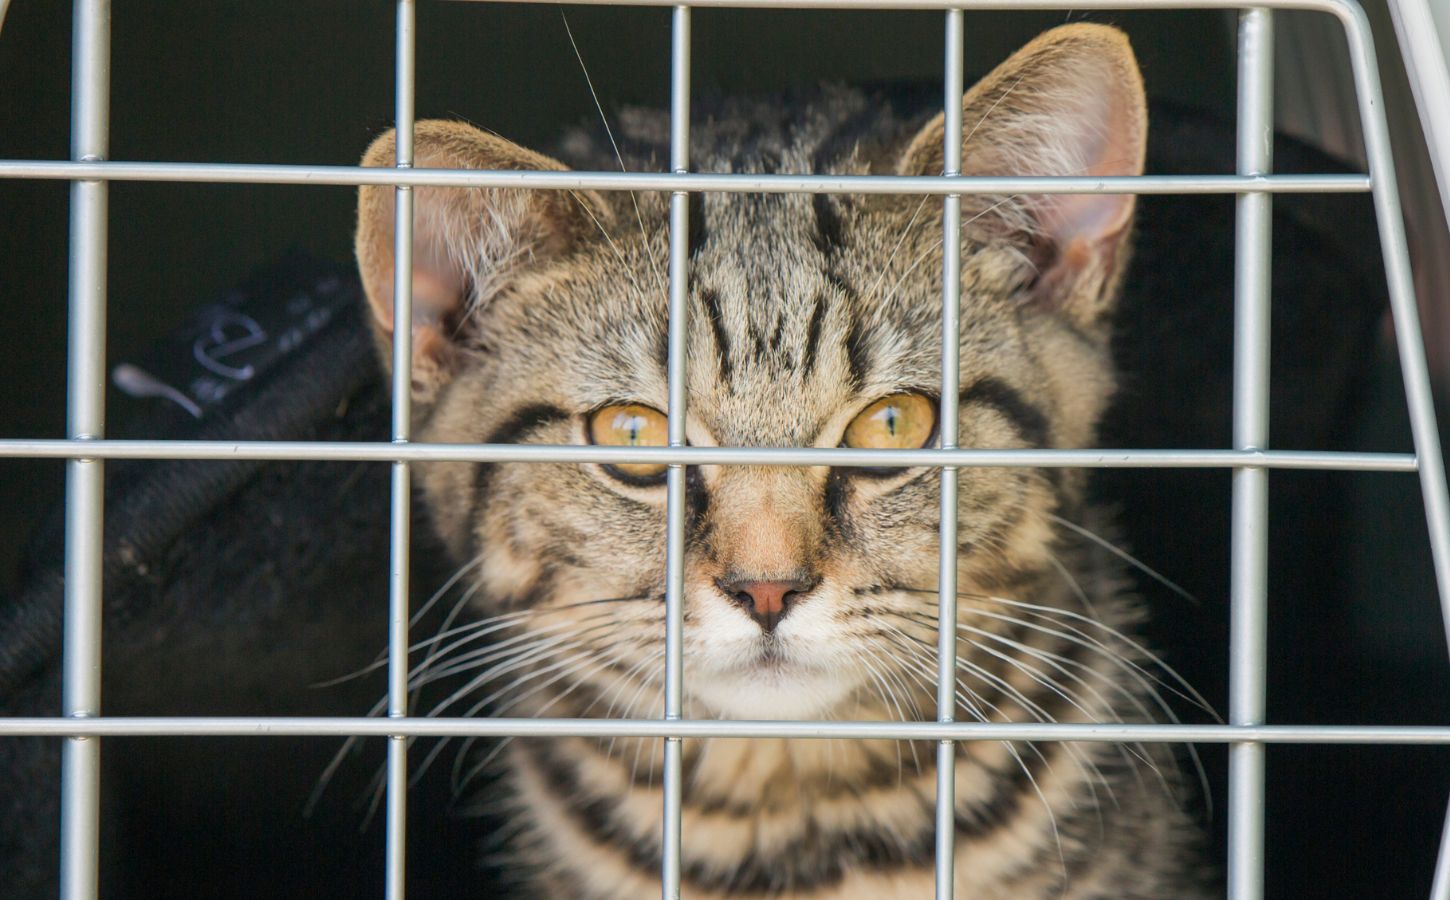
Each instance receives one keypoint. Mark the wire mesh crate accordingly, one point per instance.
(90, 173)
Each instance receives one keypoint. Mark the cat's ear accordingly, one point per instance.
(468, 243)
(1069, 103)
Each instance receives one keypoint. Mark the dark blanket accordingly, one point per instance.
(230, 588)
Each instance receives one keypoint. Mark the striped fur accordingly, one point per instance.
(537, 309)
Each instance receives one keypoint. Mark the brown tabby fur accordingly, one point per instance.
(537, 308)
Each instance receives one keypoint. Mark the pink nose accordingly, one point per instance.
(766, 601)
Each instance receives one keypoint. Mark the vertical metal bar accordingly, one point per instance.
(1440, 889)
(671, 835)
(1248, 652)
(946, 685)
(402, 520)
(1399, 276)
(85, 478)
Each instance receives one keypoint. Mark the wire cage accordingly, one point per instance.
(84, 728)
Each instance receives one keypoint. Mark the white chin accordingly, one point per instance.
(771, 692)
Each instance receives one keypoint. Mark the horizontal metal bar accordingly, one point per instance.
(236, 173)
(761, 456)
(304, 726)
(379, 451)
(1330, 6)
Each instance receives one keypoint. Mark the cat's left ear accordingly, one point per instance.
(1069, 103)
(469, 244)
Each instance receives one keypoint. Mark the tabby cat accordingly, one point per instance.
(814, 321)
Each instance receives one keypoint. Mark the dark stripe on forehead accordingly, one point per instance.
(773, 342)
(858, 356)
(518, 426)
(711, 301)
(829, 234)
(1005, 399)
(662, 349)
(813, 336)
(697, 232)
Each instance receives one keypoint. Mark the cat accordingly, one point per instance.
(814, 320)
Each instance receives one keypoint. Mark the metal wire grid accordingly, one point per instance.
(85, 447)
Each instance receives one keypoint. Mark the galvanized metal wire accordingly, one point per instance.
(951, 300)
(1440, 888)
(671, 836)
(401, 525)
(1249, 540)
(419, 726)
(85, 448)
(364, 451)
(85, 478)
(349, 176)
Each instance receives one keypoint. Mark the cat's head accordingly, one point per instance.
(540, 317)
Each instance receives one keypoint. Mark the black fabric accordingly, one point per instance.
(230, 588)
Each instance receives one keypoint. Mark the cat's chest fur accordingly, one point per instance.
(814, 321)
(856, 819)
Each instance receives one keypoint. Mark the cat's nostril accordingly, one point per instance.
(767, 602)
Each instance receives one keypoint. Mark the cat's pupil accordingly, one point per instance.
(630, 425)
(891, 416)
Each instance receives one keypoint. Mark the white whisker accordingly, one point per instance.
(1124, 555)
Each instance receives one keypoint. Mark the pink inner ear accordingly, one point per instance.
(1088, 124)
(1087, 219)
(434, 297)
(1106, 137)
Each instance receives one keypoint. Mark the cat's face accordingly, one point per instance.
(814, 322)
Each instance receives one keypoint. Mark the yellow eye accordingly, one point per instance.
(897, 422)
(630, 425)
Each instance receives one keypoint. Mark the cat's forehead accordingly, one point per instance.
(767, 347)
(800, 305)
(770, 336)
(784, 333)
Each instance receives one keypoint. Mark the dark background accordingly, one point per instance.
(277, 82)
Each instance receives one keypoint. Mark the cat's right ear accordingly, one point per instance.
(1071, 102)
(469, 244)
